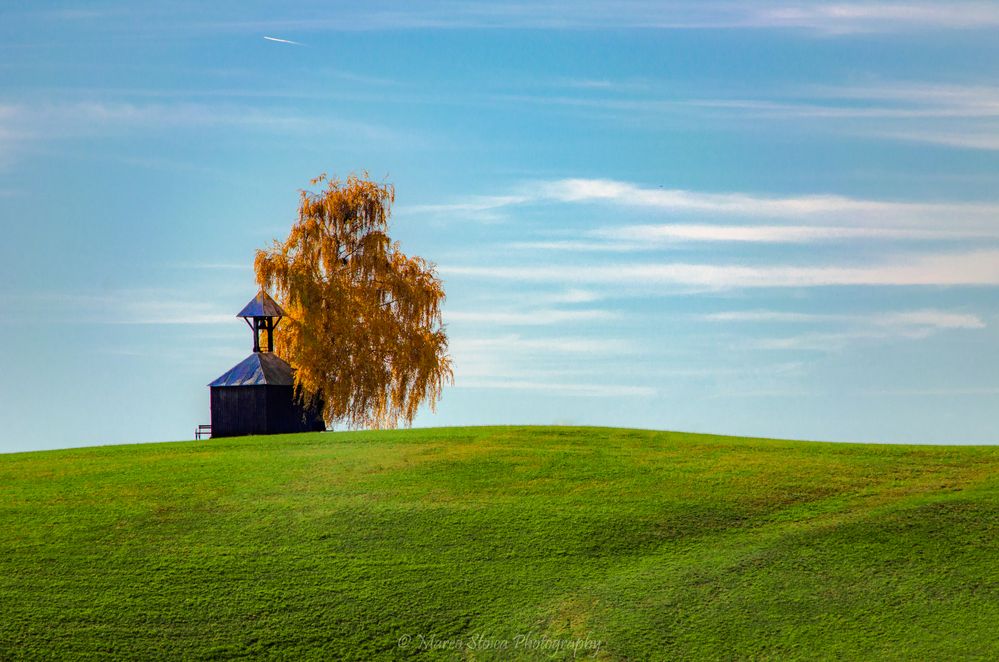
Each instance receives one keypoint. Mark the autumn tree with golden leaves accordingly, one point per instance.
(364, 324)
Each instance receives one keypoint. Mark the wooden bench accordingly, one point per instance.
(203, 431)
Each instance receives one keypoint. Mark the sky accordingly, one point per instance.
(770, 219)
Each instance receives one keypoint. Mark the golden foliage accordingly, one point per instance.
(364, 323)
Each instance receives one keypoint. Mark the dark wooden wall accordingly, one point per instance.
(242, 410)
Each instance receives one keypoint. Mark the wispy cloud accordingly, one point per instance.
(574, 245)
(560, 389)
(895, 100)
(938, 319)
(941, 98)
(139, 306)
(534, 299)
(815, 17)
(543, 317)
(965, 138)
(477, 208)
(214, 266)
(846, 18)
(21, 123)
(283, 41)
(652, 235)
(540, 364)
(638, 238)
(852, 328)
(946, 269)
(962, 116)
(812, 209)
(511, 344)
(767, 316)
(932, 318)
(744, 204)
(835, 341)
(934, 392)
(571, 295)
(936, 112)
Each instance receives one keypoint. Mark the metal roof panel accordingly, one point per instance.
(258, 369)
(261, 305)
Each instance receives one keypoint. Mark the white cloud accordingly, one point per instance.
(574, 296)
(896, 100)
(159, 307)
(743, 204)
(511, 344)
(963, 137)
(651, 235)
(563, 389)
(817, 17)
(521, 300)
(817, 342)
(939, 319)
(24, 125)
(962, 116)
(931, 318)
(934, 392)
(765, 316)
(477, 208)
(968, 268)
(533, 364)
(887, 326)
(22, 122)
(894, 219)
(527, 317)
(845, 17)
(958, 100)
(580, 246)
(167, 312)
(220, 266)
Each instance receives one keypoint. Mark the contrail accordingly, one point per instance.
(283, 41)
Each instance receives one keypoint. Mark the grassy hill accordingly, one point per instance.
(658, 545)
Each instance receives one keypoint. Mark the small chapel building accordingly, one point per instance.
(258, 395)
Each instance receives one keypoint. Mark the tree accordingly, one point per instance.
(364, 328)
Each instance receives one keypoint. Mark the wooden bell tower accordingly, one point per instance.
(258, 394)
(262, 314)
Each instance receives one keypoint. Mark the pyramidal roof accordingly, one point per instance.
(261, 305)
(258, 369)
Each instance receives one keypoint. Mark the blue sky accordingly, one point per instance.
(769, 218)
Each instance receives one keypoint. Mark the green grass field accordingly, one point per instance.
(504, 542)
